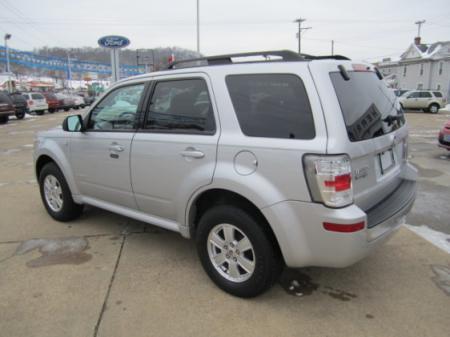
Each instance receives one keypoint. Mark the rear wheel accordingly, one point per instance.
(66, 109)
(433, 108)
(51, 110)
(56, 195)
(4, 119)
(20, 115)
(236, 252)
(39, 112)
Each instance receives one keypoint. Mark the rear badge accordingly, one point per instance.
(361, 172)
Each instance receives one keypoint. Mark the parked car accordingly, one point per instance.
(65, 102)
(36, 102)
(444, 136)
(271, 184)
(52, 101)
(427, 100)
(20, 104)
(6, 108)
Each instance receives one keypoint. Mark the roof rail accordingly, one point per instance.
(286, 55)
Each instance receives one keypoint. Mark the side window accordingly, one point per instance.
(117, 111)
(425, 94)
(181, 106)
(437, 94)
(271, 105)
(414, 94)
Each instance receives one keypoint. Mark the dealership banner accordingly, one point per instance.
(36, 61)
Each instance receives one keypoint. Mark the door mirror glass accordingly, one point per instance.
(73, 123)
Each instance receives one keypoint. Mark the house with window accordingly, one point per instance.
(421, 66)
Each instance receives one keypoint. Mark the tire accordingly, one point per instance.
(66, 109)
(434, 108)
(76, 107)
(40, 112)
(68, 210)
(4, 119)
(51, 110)
(263, 255)
(20, 115)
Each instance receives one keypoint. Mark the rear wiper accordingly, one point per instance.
(391, 119)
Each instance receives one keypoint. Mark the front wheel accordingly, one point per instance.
(434, 108)
(56, 195)
(4, 119)
(40, 112)
(20, 115)
(236, 252)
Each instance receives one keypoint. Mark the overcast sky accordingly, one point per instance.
(366, 30)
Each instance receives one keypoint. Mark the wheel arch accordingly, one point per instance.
(220, 196)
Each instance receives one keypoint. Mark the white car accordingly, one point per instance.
(36, 102)
(427, 100)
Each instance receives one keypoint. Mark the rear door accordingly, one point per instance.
(365, 121)
(425, 99)
(412, 100)
(174, 153)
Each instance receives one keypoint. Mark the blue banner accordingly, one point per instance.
(35, 61)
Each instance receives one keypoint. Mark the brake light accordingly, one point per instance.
(360, 67)
(329, 179)
(30, 102)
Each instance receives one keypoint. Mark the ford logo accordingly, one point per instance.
(113, 41)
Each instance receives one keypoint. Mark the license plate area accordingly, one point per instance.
(386, 160)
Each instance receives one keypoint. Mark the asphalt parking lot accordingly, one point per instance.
(107, 275)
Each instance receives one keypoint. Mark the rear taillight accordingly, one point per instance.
(329, 179)
(30, 102)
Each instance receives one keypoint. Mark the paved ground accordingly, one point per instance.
(106, 275)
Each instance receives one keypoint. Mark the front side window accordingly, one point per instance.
(414, 94)
(37, 96)
(118, 110)
(182, 106)
(271, 105)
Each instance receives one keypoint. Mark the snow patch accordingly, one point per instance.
(440, 240)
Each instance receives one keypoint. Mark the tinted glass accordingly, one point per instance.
(181, 106)
(368, 106)
(4, 99)
(37, 96)
(271, 105)
(117, 110)
(415, 94)
(425, 94)
(51, 96)
(437, 93)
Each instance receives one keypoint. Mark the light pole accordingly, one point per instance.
(299, 34)
(198, 26)
(8, 69)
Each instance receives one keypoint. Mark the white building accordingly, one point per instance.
(421, 66)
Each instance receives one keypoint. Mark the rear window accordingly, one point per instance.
(271, 105)
(368, 106)
(437, 93)
(51, 96)
(4, 99)
(37, 96)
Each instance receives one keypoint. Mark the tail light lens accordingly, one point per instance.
(30, 102)
(329, 179)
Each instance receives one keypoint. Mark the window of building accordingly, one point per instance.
(404, 71)
(438, 87)
(181, 106)
(271, 105)
(441, 66)
(421, 69)
(419, 86)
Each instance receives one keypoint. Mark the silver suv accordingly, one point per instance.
(264, 161)
(427, 100)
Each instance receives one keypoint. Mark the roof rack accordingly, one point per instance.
(286, 55)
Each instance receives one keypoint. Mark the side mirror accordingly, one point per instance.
(73, 123)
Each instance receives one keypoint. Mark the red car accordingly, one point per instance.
(444, 136)
(52, 101)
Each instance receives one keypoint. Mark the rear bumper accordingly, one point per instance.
(298, 227)
(7, 113)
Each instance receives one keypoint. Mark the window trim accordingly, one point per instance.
(139, 112)
(146, 111)
(275, 138)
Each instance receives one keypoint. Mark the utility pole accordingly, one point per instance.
(8, 69)
(137, 57)
(198, 26)
(69, 71)
(299, 34)
(419, 26)
(332, 47)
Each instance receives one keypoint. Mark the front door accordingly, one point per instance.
(174, 153)
(100, 156)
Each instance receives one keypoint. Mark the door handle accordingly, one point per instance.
(192, 153)
(116, 148)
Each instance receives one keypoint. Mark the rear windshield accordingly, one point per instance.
(271, 105)
(437, 93)
(368, 106)
(37, 96)
(51, 96)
